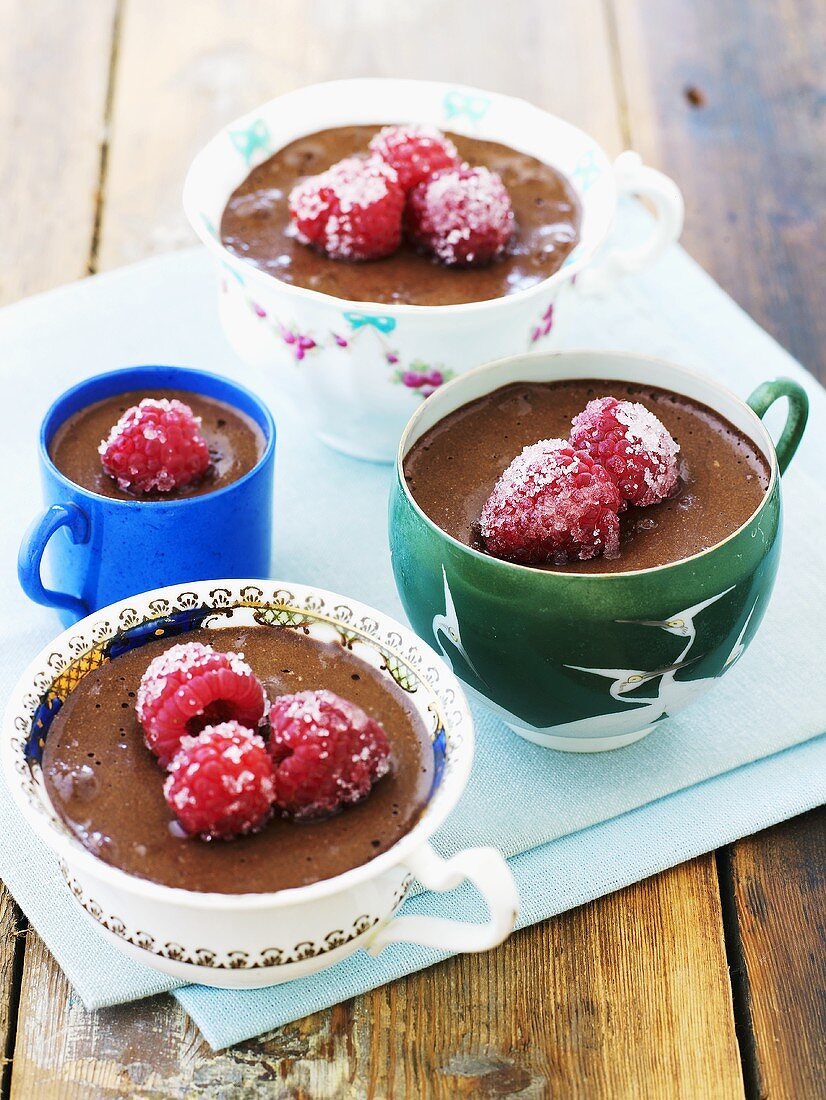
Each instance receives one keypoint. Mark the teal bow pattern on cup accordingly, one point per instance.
(236, 275)
(209, 225)
(249, 140)
(359, 320)
(462, 105)
(587, 171)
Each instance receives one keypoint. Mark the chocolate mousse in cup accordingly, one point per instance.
(241, 779)
(590, 538)
(150, 475)
(360, 344)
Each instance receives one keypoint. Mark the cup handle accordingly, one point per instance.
(487, 870)
(635, 178)
(765, 396)
(33, 546)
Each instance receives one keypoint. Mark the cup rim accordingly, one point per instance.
(68, 848)
(577, 353)
(188, 374)
(214, 244)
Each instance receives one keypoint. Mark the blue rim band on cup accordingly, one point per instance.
(103, 549)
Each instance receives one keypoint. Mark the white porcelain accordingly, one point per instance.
(254, 940)
(346, 372)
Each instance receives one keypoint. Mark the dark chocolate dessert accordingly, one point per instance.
(108, 787)
(235, 442)
(256, 226)
(452, 470)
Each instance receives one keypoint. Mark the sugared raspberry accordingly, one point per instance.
(326, 751)
(416, 152)
(552, 504)
(462, 215)
(353, 211)
(632, 444)
(190, 686)
(155, 446)
(220, 783)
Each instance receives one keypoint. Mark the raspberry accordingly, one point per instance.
(462, 215)
(156, 445)
(633, 445)
(353, 211)
(552, 504)
(327, 752)
(220, 783)
(190, 686)
(415, 152)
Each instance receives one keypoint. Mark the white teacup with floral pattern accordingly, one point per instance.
(359, 369)
(254, 940)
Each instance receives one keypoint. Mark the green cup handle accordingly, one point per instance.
(765, 396)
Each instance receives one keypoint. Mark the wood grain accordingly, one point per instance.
(626, 997)
(531, 1014)
(728, 99)
(54, 61)
(186, 69)
(779, 878)
(12, 946)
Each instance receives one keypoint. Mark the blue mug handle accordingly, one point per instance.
(32, 547)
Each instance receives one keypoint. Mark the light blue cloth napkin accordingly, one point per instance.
(576, 827)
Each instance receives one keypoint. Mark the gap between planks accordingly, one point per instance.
(100, 194)
(105, 149)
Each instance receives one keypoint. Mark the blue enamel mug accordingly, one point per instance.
(102, 550)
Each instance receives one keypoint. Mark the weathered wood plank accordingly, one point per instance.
(186, 69)
(54, 60)
(12, 946)
(728, 99)
(592, 999)
(625, 997)
(613, 999)
(778, 880)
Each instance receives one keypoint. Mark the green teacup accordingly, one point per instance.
(590, 661)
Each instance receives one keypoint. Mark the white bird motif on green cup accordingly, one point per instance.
(448, 625)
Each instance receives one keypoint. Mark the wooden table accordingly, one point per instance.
(706, 981)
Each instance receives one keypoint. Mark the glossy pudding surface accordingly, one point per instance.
(236, 444)
(256, 227)
(452, 469)
(108, 788)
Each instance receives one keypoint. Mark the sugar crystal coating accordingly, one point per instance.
(551, 505)
(415, 152)
(463, 216)
(156, 446)
(220, 783)
(633, 445)
(189, 686)
(353, 211)
(327, 753)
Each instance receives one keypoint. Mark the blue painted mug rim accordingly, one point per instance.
(187, 374)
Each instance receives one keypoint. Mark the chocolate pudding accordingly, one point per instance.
(453, 468)
(108, 788)
(256, 226)
(236, 444)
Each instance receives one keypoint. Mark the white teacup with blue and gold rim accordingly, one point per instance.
(344, 361)
(260, 939)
